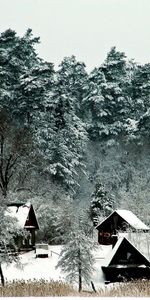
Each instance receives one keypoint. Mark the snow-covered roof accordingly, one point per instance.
(130, 218)
(20, 213)
(111, 254)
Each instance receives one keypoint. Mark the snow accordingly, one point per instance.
(42, 249)
(132, 219)
(110, 255)
(32, 268)
(20, 213)
(131, 124)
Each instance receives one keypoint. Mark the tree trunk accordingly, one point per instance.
(2, 276)
(80, 272)
(93, 286)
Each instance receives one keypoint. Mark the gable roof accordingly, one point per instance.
(123, 246)
(129, 217)
(21, 212)
(132, 219)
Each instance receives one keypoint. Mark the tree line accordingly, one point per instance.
(69, 136)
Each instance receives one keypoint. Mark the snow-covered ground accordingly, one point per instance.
(45, 268)
(31, 267)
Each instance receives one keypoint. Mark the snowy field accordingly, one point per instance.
(45, 268)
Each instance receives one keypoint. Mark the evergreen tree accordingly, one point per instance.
(93, 104)
(32, 92)
(17, 56)
(101, 204)
(74, 80)
(61, 136)
(141, 87)
(107, 98)
(54, 219)
(76, 257)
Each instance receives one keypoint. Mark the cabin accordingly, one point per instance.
(125, 262)
(119, 221)
(26, 220)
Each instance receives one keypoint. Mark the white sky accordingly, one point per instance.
(85, 28)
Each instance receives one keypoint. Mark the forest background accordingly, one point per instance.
(72, 140)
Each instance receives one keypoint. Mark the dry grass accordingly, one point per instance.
(58, 288)
(35, 288)
(139, 288)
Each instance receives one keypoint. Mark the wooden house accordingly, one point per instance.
(119, 221)
(26, 220)
(125, 262)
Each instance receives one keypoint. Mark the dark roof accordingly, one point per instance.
(121, 254)
(22, 211)
(17, 204)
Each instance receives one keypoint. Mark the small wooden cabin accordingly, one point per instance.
(125, 262)
(119, 221)
(26, 219)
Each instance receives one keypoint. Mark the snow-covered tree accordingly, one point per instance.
(74, 79)
(54, 219)
(101, 203)
(15, 148)
(32, 91)
(76, 258)
(141, 87)
(107, 99)
(9, 230)
(61, 135)
(17, 56)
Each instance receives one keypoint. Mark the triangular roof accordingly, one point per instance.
(128, 217)
(21, 211)
(122, 247)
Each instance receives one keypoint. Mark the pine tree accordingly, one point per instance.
(76, 258)
(61, 135)
(93, 104)
(101, 204)
(54, 219)
(17, 56)
(107, 99)
(74, 80)
(32, 92)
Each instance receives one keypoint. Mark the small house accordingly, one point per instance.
(125, 262)
(119, 221)
(26, 219)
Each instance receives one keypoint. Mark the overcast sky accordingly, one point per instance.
(85, 28)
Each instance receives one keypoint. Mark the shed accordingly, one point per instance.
(25, 215)
(124, 261)
(119, 220)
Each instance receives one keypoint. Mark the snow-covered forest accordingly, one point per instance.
(71, 139)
